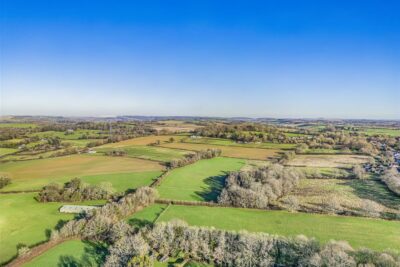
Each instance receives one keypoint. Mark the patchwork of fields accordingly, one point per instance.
(229, 151)
(23, 220)
(359, 232)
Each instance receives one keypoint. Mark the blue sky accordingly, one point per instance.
(333, 59)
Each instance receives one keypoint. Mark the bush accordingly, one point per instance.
(370, 208)
(4, 181)
(392, 180)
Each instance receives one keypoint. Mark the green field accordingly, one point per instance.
(150, 152)
(228, 142)
(200, 181)
(75, 135)
(33, 174)
(71, 253)
(380, 131)
(24, 220)
(359, 232)
(146, 216)
(18, 125)
(5, 151)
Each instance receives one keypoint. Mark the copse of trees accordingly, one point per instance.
(74, 190)
(260, 187)
(192, 158)
(225, 248)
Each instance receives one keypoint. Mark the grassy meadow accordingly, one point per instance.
(33, 174)
(6, 151)
(69, 253)
(228, 142)
(201, 181)
(23, 220)
(359, 232)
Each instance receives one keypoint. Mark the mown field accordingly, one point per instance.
(201, 181)
(359, 232)
(332, 161)
(17, 125)
(229, 151)
(33, 174)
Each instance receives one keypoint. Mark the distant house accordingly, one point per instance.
(76, 208)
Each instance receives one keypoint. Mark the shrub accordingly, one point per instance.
(392, 180)
(359, 172)
(370, 208)
(4, 181)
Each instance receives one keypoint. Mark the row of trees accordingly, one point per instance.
(224, 248)
(107, 224)
(75, 190)
(193, 157)
(258, 188)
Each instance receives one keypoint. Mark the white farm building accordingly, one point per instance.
(76, 208)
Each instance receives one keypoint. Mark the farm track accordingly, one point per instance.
(37, 251)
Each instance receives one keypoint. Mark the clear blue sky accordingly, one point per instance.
(334, 59)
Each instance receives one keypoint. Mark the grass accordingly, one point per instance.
(359, 232)
(201, 181)
(150, 152)
(228, 151)
(18, 125)
(24, 220)
(146, 216)
(228, 142)
(333, 161)
(33, 174)
(72, 136)
(69, 253)
(350, 193)
(5, 151)
(381, 131)
(143, 141)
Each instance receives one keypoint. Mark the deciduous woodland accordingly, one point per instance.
(199, 192)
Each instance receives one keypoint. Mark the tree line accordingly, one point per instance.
(75, 190)
(193, 157)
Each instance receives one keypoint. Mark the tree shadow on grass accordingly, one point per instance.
(213, 188)
(94, 255)
(375, 190)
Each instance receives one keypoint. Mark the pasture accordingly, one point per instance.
(332, 161)
(201, 181)
(17, 125)
(33, 174)
(380, 131)
(149, 152)
(143, 141)
(23, 220)
(75, 135)
(359, 232)
(229, 151)
(69, 253)
(6, 151)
